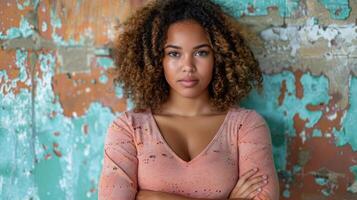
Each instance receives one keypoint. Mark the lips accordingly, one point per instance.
(188, 82)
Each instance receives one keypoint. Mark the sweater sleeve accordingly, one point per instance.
(255, 151)
(118, 179)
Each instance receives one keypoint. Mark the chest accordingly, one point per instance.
(178, 156)
(188, 137)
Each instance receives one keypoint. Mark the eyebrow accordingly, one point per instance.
(196, 47)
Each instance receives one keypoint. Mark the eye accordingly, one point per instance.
(202, 53)
(173, 54)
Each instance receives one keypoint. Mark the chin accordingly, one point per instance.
(190, 94)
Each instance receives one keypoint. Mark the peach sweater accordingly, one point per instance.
(136, 156)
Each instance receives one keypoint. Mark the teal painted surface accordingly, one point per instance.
(321, 181)
(105, 62)
(25, 173)
(259, 8)
(339, 9)
(280, 117)
(51, 156)
(281, 125)
(348, 136)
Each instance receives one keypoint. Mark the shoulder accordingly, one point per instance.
(132, 117)
(247, 117)
(245, 113)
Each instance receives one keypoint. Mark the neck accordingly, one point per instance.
(187, 106)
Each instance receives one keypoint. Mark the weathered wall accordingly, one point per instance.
(57, 96)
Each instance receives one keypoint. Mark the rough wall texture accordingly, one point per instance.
(57, 96)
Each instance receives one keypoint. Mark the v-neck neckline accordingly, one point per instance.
(198, 156)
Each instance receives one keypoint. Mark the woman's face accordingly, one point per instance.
(188, 59)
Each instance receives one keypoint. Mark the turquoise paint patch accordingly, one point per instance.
(17, 159)
(353, 188)
(130, 104)
(102, 51)
(321, 181)
(119, 92)
(21, 59)
(11, 33)
(286, 193)
(326, 192)
(316, 133)
(24, 30)
(339, 9)
(105, 62)
(55, 21)
(353, 169)
(103, 79)
(23, 5)
(349, 126)
(258, 8)
(296, 169)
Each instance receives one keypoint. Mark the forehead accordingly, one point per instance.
(185, 33)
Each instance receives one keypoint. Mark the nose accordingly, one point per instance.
(188, 64)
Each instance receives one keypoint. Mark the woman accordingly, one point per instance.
(184, 65)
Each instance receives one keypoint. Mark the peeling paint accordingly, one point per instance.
(347, 135)
(70, 158)
(24, 30)
(259, 8)
(302, 47)
(338, 9)
(327, 178)
(57, 96)
(353, 187)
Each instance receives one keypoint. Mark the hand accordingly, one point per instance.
(247, 186)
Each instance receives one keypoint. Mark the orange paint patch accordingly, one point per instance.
(8, 63)
(55, 145)
(323, 154)
(299, 88)
(57, 152)
(331, 117)
(282, 93)
(299, 124)
(95, 18)
(77, 91)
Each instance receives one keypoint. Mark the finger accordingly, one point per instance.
(251, 185)
(247, 175)
(254, 187)
(242, 179)
(254, 180)
(254, 193)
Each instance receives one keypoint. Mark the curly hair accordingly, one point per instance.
(138, 53)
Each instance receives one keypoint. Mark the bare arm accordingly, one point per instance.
(255, 151)
(118, 178)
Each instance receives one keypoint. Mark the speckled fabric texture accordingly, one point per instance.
(136, 156)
